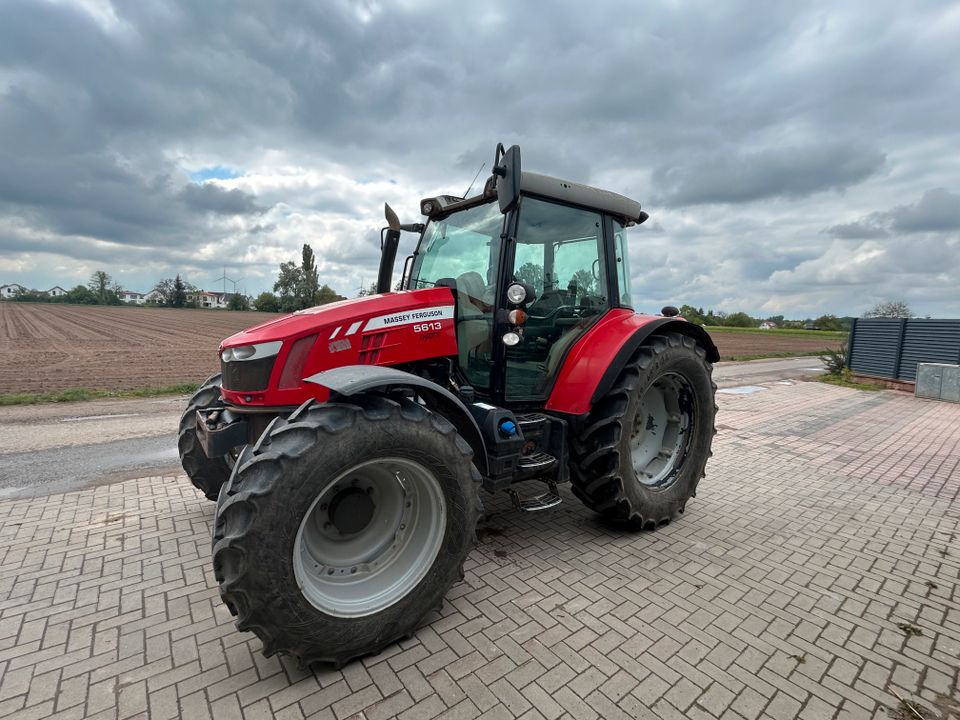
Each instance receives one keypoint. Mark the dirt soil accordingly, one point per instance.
(741, 345)
(47, 348)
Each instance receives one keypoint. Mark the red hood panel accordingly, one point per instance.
(307, 322)
(388, 329)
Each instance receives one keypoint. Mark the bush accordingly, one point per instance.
(835, 360)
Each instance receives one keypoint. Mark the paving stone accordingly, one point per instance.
(776, 595)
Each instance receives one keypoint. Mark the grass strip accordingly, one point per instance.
(82, 394)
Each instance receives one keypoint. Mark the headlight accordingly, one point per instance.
(516, 294)
(251, 352)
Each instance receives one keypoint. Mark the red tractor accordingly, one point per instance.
(346, 445)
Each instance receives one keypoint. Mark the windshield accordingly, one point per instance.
(464, 246)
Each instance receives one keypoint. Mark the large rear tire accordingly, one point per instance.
(344, 526)
(206, 474)
(644, 446)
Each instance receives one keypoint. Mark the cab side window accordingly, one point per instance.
(559, 251)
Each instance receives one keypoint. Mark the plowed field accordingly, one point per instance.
(47, 348)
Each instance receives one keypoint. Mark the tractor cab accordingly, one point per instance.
(533, 263)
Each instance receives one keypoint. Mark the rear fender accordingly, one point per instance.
(595, 360)
(351, 380)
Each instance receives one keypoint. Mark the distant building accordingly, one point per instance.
(10, 291)
(767, 325)
(134, 298)
(209, 299)
(56, 291)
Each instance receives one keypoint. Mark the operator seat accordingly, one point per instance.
(474, 327)
(557, 350)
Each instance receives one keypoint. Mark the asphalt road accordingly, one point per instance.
(47, 449)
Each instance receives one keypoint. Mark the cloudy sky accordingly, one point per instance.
(794, 160)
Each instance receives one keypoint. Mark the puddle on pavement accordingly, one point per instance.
(742, 390)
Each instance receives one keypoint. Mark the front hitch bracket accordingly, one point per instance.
(219, 431)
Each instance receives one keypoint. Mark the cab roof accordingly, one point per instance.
(565, 191)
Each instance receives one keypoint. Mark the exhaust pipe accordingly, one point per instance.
(389, 241)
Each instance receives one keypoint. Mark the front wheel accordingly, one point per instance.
(645, 444)
(205, 473)
(344, 526)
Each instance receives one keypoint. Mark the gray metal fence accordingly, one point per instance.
(892, 348)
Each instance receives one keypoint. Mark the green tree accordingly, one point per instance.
(693, 314)
(179, 296)
(308, 284)
(890, 309)
(238, 301)
(327, 294)
(739, 319)
(266, 302)
(828, 322)
(287, 286)
(532, 274)
(172, 292)
(584, 281)
(81, 295)
(99, 285)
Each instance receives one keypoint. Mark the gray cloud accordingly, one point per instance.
(210, 198)
(937, 210)
(858, 230)
(794, 172)
(743, 139)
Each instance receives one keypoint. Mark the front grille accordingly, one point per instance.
(247, 375)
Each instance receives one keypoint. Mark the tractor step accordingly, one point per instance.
(551, 498)
(531, 423)
(536, 463)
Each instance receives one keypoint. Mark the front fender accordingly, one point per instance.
(596, 359)
(350, 380)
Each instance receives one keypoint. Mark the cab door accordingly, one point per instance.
(560, 251)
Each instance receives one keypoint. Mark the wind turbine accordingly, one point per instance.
(226, 280)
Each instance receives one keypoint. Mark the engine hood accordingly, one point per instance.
(389, 329)
(365, 311)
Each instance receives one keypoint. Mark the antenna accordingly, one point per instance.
(482, 165)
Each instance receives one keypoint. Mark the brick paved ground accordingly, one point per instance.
(827, 519)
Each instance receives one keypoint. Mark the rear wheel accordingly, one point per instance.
(206, 474)
(645, 444)
(344, 526)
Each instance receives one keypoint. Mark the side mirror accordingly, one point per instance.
(506, 169)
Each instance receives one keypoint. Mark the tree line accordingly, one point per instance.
(887, 309)
(102, 290)
(99, 290)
